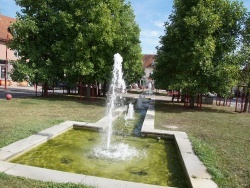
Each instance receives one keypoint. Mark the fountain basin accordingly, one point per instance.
(195, 171)
(82, 150)
(146, 160)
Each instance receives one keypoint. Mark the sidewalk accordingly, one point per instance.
(22, 91)
(29, 91)
(17, 91)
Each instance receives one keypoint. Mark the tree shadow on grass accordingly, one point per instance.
(174, 107)
(99, 101)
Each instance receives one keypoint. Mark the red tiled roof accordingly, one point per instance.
(148, 59)
(5, 22)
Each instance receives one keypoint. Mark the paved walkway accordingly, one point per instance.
(22, 91)
(29, 91)
(18, 91)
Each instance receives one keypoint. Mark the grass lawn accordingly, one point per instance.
(23, 117)
(220, 137)
(7, 181)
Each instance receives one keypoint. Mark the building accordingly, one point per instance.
(148, 61)
(6, 55)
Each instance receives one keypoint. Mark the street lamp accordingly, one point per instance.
(6, 64)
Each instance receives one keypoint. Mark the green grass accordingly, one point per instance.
(219, 135)
(23, 117)
(7, 181)
(220, 138)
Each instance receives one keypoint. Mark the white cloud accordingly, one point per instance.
(149, 44)
(150, 41)
(148, 33)
(159, 24)
(151, 15)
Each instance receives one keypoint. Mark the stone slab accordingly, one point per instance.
(64, 177)
(4, 166)
(148, 123)
(104, 122)
(91, 126)
(203, 183)
(184, 145)
(195, 169)
(4, 155)
(58, 129)
(25, 144)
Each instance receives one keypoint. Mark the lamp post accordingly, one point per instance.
(6, 64)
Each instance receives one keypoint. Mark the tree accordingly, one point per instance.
(73, 40)
(36, 33)
(196, 51)
(128, 44)
(244, 74)
(125, 40)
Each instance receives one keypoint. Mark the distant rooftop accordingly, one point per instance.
(148, 60)
(5, 23)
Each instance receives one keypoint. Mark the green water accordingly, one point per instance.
(157, 162)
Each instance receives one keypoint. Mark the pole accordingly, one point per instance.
(80, 91)
(237, 94)
(6, 65)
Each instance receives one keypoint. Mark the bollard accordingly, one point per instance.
(8, 96)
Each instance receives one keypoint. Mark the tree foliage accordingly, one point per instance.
(74, 40)
(244, 54)
(196, 52)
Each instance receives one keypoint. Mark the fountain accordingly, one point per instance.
(117, 83)
(87, 156)
(119, 151)
(139, 102)
(130, 114)
(149, 86)
(149, 91)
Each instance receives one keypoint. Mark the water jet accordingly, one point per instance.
(113, 149)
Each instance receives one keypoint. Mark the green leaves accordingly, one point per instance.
(196, 52)
(73, 39)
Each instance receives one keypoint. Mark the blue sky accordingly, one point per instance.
(150, 15)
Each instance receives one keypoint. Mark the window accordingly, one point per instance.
(2, 71)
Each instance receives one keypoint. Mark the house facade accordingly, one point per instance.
(148, 61)
(6, 55)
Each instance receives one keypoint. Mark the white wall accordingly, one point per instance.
(10, 53)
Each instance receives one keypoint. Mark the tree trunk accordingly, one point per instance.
(45, 90)
(88, 91)
(104, 89)
(80, 85)
(246, 99)
(99, 89)
(36, 88)
(68, 89)
(182, 98)
(191, 102)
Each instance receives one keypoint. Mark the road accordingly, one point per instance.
(29, 91)
(21, 91)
